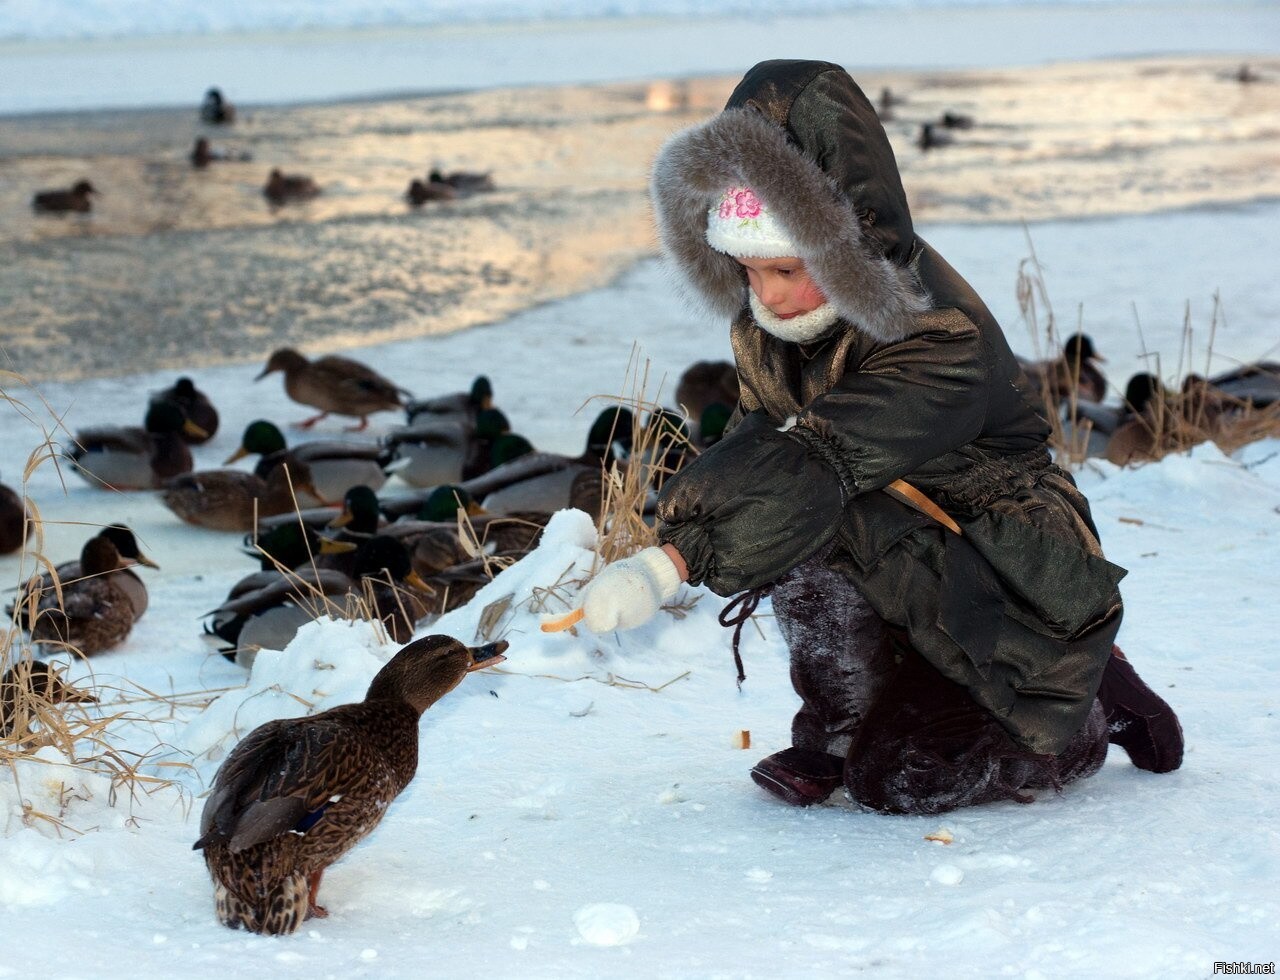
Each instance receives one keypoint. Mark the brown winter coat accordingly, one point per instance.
(915, 381)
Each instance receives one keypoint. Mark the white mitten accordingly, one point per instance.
(627, 593)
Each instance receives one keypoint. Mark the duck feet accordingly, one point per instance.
(364, 424)
(308, 423)
(314, 909)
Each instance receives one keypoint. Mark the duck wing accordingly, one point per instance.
(281, 778)
(352, 380)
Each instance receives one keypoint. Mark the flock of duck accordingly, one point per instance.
(318, 515)
(280, 188)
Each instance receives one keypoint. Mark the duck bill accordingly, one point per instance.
(239, 454)
(487, 655)
(417, 581)
(328, 546)
(475, 510)
(343, 519)
(144, 560)
(193, 430)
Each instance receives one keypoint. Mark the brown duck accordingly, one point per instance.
(230, 500)
(94, 612)
(297, 794)
(62, 201)
(126, 545)
(14, 527)
(282, 188)
(31, 679)
(335, 385)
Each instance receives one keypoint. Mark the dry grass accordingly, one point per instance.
(1186, 414)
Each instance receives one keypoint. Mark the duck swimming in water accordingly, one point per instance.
(297, 794)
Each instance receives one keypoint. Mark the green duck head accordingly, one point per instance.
(383, 556)
(508, 447)
(481, 395)
(261, 438)
(491, 423)
(427, 669)
(288, 545)
(610, 434)
(443, 502)
(712, 424)
(360, 513)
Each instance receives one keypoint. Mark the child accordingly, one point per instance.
(936, 668)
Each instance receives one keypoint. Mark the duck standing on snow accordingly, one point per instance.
(34, 679)
(196, 408)
(282, 188)
(335, 385)
(297, 794)
(62, 201)
(335, 466)
(132, 458)
(96, 613)
(14, 527)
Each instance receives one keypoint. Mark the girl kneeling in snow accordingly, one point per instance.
(936, 669)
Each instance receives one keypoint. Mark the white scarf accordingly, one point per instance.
(797, 329)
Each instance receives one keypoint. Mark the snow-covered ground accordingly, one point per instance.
(585, 812)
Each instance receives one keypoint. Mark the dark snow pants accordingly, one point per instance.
(912, 740)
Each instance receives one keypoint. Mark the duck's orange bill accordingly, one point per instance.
(557, 624)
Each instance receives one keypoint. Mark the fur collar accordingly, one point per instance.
(742, 146)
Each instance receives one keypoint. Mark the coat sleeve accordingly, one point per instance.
(753, 506)
(905, 404)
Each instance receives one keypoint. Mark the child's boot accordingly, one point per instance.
(798, 776)
(1138, 719)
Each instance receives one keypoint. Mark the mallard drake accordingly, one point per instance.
(33, 679)
(462, 181)
(196, 408)
(1257, 383)
(282, 188)
(14, 527)
(266, 608)
(126, 545)
(706, 383)
(96, 613)
(431, 453)
(435, 539)
(62, 201)
(215, 110)
(335, 385)
(461, 406)
(132, 458)
(419, 193)
(335, 466)
(230, 500)
(297, 794)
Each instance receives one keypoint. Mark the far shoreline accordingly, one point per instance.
(329, 65)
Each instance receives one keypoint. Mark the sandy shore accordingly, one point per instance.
(177, 267)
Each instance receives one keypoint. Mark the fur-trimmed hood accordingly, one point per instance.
(848, 215)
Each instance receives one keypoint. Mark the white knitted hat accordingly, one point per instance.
(742, 226)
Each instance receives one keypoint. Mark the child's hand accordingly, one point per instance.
(627, 593)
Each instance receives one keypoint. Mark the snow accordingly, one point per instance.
(583, 809)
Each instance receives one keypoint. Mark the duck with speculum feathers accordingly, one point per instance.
(231, 500)
(335, 385)
(29, 680)
(196, 408)
(94, 613)
(75, 199)
(126, 545)
(215, 110)
(282, 188)
(434, 537)
(461, 406)
(707, 383)
(136, 458)
(14, 526)
(335, 466)
(264, 610)
(544, 482)
(297, 794)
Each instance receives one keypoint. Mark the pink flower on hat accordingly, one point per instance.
(747, 204)
(727, 206)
